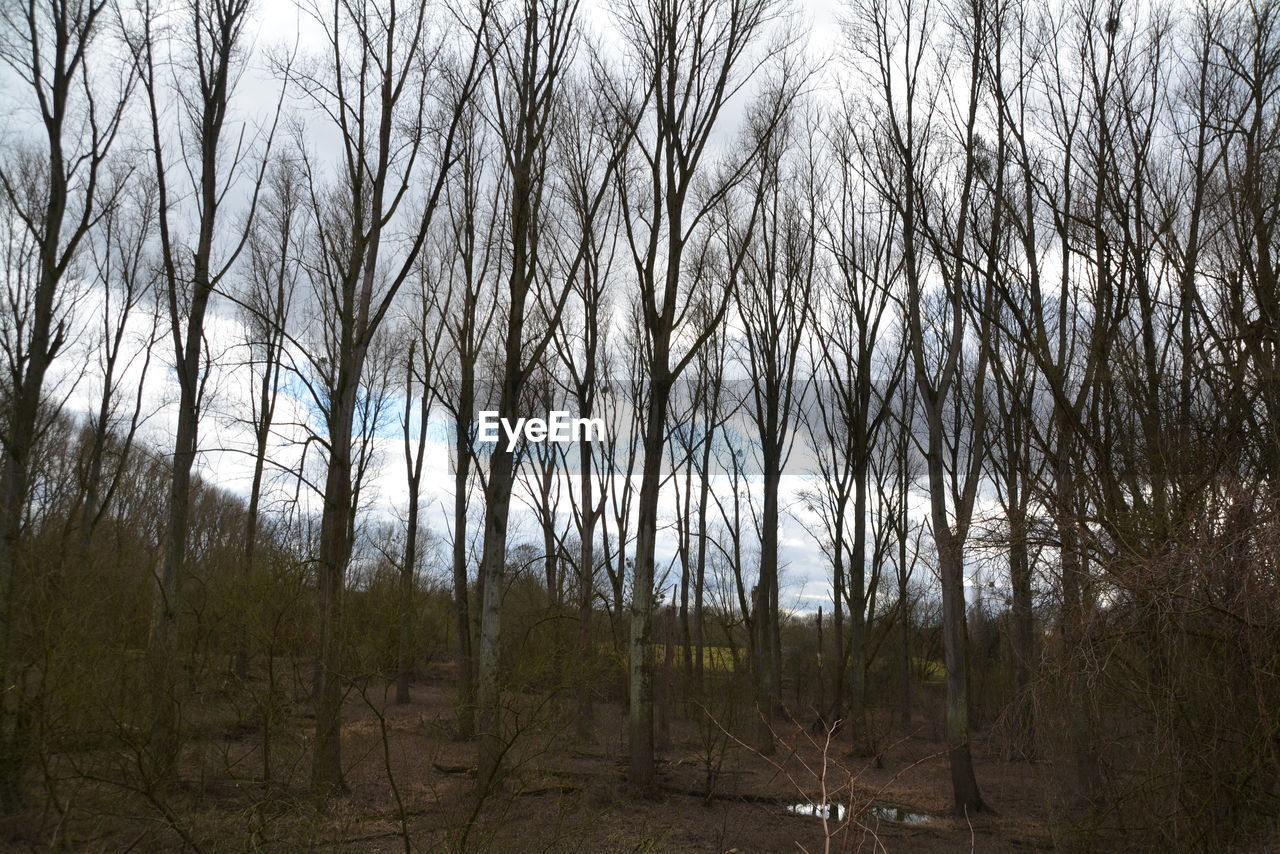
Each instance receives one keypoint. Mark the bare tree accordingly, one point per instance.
(206, 39)
(529, 51)
(937, 209)
(529, 56)
(898, 469)
(713, 411)
(581, 347)
(774, 298)
(691, 57)
(396, 96)
(124, 264)
(421, 364)
(271, 280)
(692, 450)
(544, 464)
(472, 246)
(851, 405)
(1016, 468)
(53, 185)
(1062, 322)
(623, 410)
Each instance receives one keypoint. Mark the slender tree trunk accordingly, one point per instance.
(167, 604)
(266, 411)
(408, 596)
(699, 588)
(550, 543)
(1072, 626)
(493, 744)
(684, 550)
(461, 598)
(335, 552)
(14, 716)
(586, 592)
(252, 522)
(664, 706)
(1024, 640)
(839, 588)
(767, 634)
(857, 606)
(640, 728)
(904, 628)
(964, 785)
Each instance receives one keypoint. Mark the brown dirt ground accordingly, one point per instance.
(563, 795)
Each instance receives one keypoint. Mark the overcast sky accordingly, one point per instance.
(225, 439)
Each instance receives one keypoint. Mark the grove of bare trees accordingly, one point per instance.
(934, 349)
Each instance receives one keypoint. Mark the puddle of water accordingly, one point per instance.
(878, 811)
(818, 810)
(897, 813)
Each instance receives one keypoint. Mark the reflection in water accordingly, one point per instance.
(818, 810)
(895, 812)
(876, 811)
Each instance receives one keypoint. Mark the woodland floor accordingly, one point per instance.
(558, 798)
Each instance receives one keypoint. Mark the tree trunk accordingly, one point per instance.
(335, 551)
(858, 609)
(251, 534)
(964, 785)
(699, 588)
(767, 634)
(167, 605)
(640, 728)
(15, 492)
(408, 595)
(1024, 640)
(493, 744)
(904, 633)
(1072, 626)
(461, 603)
(586, 592)
(266, 403)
